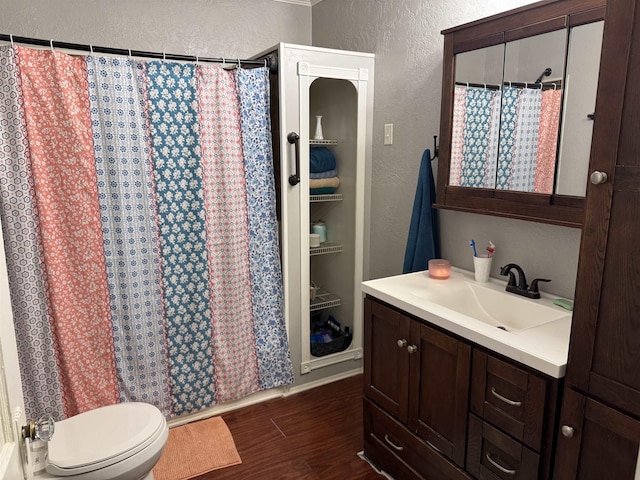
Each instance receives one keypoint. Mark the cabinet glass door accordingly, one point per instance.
(332, 149)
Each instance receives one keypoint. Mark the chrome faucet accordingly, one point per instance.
(521, 288)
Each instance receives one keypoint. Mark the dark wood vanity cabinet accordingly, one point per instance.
(437, 407)
(420, 376)
(600, 418)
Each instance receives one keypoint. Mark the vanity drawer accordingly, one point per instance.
(491, 454)
(509, 398)
(395, 449)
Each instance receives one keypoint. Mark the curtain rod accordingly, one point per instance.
(533, 86)
(132, 53)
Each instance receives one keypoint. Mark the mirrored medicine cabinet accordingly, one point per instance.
(518, 108)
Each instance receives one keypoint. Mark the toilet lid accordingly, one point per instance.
(101, 437)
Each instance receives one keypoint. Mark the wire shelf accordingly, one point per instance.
(322, 142)
(334, 197)
(325, 249)
(324, 299)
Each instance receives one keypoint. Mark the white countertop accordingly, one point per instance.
(544, 348)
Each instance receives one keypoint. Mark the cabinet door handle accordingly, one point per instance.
(500, 467)
(402, 343)
(567, 431)
(433, 446)
(293, 138)
(412, 349)
(393, 445)
(514, 403)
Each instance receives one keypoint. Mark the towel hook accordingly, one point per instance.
(435, 148)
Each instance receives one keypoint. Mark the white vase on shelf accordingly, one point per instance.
(318, 134)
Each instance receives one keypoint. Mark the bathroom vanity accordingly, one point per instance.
(462, 379)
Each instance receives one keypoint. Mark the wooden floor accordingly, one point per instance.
(312, 435)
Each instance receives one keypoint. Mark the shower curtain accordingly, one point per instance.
(138, 208)
(505, 139)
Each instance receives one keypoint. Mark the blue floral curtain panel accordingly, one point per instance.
(186, 207)
(479, 136)
(264, 256)
(130, 236)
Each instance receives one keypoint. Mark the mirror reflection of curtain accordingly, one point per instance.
(547, 140)
(528, 139)
(474, 139)
(525, 146)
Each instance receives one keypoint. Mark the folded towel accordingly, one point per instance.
(322, 191)
(327, 174)
(331, 182)
(321, 159)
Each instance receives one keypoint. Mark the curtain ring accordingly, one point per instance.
(164, 57)
(239, 66)
(51, 45)
(91, 49)
(224, 63)
(266, 65)
(554, 86)
(11, 38)
(197, 60)
(129, 54)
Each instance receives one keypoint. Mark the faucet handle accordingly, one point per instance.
(534, 284)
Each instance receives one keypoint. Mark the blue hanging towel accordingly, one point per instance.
(423, 243)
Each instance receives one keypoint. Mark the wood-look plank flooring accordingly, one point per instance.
(312, 435)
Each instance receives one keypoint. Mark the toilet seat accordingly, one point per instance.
(103, 437)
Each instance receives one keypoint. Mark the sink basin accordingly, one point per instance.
(487, 304)
(532, 332)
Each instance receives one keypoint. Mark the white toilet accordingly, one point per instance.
(117, 442)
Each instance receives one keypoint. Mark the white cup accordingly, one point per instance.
(314, 240)
(482, 268)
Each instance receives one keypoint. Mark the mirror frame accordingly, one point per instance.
(537, 18)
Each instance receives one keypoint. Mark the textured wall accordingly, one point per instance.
(195, 27)
(405, 36)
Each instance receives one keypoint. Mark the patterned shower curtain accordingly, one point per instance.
(138, 208)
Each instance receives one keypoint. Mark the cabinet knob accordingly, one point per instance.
(598, 177)
(402, 343)
(567, 431)
(412, 349)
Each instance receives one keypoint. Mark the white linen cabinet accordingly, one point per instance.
(337, 85)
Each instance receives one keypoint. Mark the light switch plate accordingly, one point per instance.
(388, 133)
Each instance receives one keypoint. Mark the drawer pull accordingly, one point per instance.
(393, 445)
(505, 399)
(500, 467)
